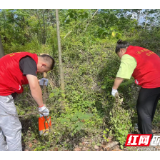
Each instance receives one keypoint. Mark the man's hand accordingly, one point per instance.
(114, 91)
(43, 81)
(43, 111)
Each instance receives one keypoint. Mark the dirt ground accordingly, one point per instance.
(87, 144)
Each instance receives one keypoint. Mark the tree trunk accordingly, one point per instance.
(60, 63)
(1, 49)
(59, 50)
(44, 28)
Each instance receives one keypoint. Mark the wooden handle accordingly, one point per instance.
(44, 88)
(44, 74)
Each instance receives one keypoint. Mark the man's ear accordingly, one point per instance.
(43, 64)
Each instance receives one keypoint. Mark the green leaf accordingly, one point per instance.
(74, 118)
(51, 95)
(79, 125)
(64, 120)
(103, 87)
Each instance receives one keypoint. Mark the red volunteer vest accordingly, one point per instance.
(11, 77)
(147, 71)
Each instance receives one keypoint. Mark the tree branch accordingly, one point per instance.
(80, 23)
(91, 19)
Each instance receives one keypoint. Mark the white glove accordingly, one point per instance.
(43, 111)
(43, 81)
(114, 91)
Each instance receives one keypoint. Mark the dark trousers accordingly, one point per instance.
(146, 107)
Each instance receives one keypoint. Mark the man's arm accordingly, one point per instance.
(117, 82)
(36, 91)
(28, 67)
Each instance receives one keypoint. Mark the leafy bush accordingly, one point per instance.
(120, 121)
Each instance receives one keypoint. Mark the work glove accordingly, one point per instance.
(43, 111)
(114, 91)
(43, 81)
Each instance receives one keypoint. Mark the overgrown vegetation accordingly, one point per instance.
(90, 65)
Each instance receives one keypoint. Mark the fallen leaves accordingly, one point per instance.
(85, 146)
(35, 141)
(77, 149)
(30, 145)
(112, 144)
(116, 150)
(96, 147)
(84, 149)
(55, 149)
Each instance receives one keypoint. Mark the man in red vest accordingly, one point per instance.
(144, 66)
(17, 69)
